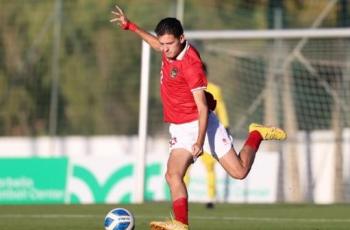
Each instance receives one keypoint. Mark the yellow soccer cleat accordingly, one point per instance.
(168, 225)
(268, 132)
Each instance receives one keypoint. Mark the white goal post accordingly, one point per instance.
(301, 34)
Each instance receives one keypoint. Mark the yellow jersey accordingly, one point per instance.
(220, 109)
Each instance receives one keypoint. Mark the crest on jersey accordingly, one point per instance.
(173, 72)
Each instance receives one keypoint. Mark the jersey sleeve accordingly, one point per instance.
(195, 76)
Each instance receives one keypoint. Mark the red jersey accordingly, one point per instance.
(179, 78)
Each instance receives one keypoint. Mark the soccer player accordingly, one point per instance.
(192, 126)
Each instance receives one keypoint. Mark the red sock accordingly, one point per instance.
(254, 139)
(180, 209)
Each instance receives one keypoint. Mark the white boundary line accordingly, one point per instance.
(223, 218)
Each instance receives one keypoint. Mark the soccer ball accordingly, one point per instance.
(119, 219)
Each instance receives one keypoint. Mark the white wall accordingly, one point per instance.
(260, 186)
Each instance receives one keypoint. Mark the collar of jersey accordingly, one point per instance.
(182, 53)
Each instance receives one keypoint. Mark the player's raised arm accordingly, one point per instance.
(120, 18)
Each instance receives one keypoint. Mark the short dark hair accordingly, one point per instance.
(169, 26)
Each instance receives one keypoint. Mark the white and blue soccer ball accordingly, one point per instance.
(119, 219)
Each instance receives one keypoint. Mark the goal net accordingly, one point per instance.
(296, 79)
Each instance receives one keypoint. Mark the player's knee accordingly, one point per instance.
(239, 175)
(167, 177)
(242, 176)
(170, 177)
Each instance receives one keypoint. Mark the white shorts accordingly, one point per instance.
(217, 141)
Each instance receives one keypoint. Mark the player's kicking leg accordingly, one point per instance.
(239, 165)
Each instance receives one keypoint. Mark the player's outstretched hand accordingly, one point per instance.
(120, 18)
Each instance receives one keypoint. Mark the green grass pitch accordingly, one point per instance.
(222, 217)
